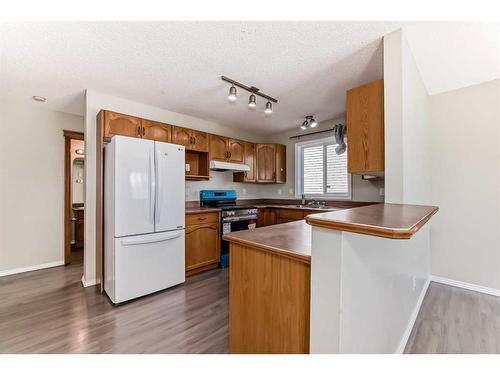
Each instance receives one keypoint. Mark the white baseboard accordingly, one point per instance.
(461, 284)
(31, 268)
(88, 283)
(413, 318)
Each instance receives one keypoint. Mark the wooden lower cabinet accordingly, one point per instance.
(267, 216)
(269, 302)
(202, 242)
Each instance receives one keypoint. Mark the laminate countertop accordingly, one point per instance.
(394, 221)
(289, 239)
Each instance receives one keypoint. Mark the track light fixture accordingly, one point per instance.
(269, 108)
(252, 100)
(232, 94)
(309, 122)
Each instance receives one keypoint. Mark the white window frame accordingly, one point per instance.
(299, 171)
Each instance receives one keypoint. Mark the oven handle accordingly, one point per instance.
(232, 219)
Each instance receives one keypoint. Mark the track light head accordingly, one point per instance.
(269, 108)
(304, 125)
(252, 102)
(232, 94)
(313, 123)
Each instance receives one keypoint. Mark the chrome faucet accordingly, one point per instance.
(303, 199)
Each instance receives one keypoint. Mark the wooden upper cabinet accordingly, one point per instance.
(365, 128)
(199, 141)
(181, 136)
(236, 150)
(248, 159)
(218, 147)
(266, 162)
(120, 124)
(189, 138)
(280, 164)
(156, 131)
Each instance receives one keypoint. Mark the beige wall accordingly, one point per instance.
(32, 185)
(465, 234)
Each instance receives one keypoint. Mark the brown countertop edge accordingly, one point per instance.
(292, 240)
(200, 210)
(394, 221)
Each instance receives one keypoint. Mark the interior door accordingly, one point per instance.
(170, 165)
(134, 190)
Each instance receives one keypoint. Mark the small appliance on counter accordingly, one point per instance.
(233, 217)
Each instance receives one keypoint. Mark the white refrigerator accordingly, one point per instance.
(143, 217)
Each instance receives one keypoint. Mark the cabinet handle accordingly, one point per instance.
(138, 129)
(229, 154)
(202, 218)
(143, 131)
(194, 140)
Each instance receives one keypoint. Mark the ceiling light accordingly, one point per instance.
(39, 98)
(232, 94)
(304, 125)
(251, 101)
(79, 151)
(269, 108)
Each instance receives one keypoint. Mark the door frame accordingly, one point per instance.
(68, 136)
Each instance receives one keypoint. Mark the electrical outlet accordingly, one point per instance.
(290, 191)
(280, 191)
(414, 283)
(244, 191)
(381, 192)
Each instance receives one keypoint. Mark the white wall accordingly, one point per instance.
(32, 184)
(407, 135)
(465, 234)
(365, 290)
(362, 190)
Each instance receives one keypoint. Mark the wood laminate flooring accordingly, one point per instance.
(455, 320)
(48, 311)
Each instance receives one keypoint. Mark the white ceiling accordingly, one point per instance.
(307, 66)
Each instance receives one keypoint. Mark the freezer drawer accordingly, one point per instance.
(147, 263)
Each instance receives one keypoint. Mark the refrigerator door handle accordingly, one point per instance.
(152, 197)
(158, 188)
(166, 237)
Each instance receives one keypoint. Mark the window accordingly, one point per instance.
(319, 171)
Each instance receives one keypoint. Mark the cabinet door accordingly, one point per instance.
(218, 147)
(202, 245)
(266, 162)
(267, 216)
(250, 176)
(236, 150)
(119, 124)
(365, 128)
(281, 164)
(200, 141)
(156, 131)
(182, 136)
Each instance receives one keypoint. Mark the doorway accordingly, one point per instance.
(74, 197)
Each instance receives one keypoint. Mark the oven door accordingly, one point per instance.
(233, 225)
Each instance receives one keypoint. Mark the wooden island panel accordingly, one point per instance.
(269, 302)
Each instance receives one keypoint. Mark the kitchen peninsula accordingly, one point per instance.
(320, 285)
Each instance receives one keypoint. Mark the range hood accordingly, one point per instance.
(225, 166)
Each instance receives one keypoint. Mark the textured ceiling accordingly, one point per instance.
(307, 66)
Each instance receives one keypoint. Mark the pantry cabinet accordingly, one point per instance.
(202, 242)
(365, 128)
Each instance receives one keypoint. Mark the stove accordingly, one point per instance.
(234, 217)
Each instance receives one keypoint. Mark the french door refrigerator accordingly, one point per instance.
(143, 217)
